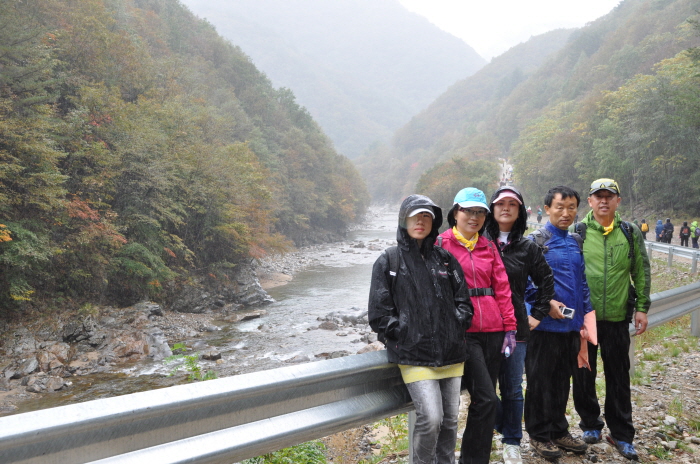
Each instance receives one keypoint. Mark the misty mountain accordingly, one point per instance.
(362, 68)
(616, 98)
(454, 124)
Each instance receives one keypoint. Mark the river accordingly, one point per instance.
(337, 281)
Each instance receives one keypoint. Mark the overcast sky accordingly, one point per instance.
(493, 26)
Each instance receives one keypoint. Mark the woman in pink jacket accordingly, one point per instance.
(492, 333)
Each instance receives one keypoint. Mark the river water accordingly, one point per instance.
(337, 281)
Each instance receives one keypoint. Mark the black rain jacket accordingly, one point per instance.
(524, 259)
(421, 313)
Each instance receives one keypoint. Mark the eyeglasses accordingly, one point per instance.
(480, 212)
(604, 184)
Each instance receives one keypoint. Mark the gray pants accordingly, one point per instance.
(437, 409)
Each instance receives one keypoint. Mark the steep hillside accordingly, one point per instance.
(561, 123)
(139, 151)
(454, 124)
(362, 68)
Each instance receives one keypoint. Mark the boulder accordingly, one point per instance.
(211, 355)
(242, 289)
(158, 348)
(21, 342)
(28, 367)
(375, 346)
(328, 325)
(79, 331)
(43, 383)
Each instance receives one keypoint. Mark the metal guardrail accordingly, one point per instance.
(234, 418)
(217, 421)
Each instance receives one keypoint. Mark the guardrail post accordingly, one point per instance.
(670, 258)
(649, 247)
(694, 265)
(695, 324)
(411, 427)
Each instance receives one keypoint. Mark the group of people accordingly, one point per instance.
(475, 306)
(664, 232)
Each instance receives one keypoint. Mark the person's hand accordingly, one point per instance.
(508, 342)
(640, 322)
(554, 311)
(533, 322)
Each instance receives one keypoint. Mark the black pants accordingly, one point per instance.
(684, 241)
(479, 379)
(549, 364)
(614, 342)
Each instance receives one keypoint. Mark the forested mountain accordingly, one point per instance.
(456, 125)
(619, 99)
(139, 150)
(362, 68)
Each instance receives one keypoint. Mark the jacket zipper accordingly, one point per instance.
(478, 302)
(605, 275)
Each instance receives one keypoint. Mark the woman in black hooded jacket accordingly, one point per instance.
(420, 309)
(523, 260)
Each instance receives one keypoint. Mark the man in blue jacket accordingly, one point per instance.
(552, 353)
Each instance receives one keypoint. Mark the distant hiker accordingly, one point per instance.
(539, 214)
(659, 230)
(694, 233)
(555, 339)
(524, 261)
(684, 234)
(494, 326)
(615, 258)
(644, 227)
(529, 212)
(420, 309)
(668, 231)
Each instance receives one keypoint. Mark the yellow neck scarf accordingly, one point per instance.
(467, 243)
(609, 228)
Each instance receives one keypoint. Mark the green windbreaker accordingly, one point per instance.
(609, 269)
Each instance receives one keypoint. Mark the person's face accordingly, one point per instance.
(505, 212)
(604, 203)
(469, 220)
(562, 212)
(419, 226)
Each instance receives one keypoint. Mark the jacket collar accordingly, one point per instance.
(556, 230)
(590, 221)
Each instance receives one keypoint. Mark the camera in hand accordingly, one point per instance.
(567, 312)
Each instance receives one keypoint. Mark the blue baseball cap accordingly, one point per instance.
(471, 197)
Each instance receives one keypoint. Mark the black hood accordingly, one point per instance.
(409, 204)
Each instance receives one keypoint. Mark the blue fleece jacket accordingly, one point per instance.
(565, 258)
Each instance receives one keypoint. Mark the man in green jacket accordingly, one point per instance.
(610, 268)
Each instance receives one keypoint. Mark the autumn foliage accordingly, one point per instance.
(138, 148)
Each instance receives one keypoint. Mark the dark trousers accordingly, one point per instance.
(479, 379)
(614, 342)
(549, 364)
(684, 241)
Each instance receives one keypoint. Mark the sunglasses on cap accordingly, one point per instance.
(604, 184)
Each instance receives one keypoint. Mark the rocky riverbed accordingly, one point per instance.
(104, 351)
